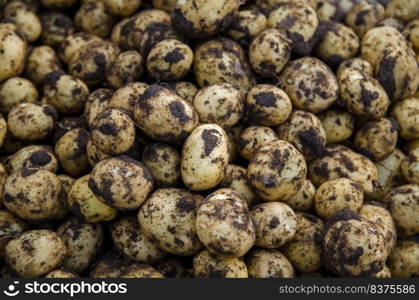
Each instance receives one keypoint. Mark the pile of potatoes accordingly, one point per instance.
(151, 139)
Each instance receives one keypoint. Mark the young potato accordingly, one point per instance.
(310, 84)
(383, 221)
(364, 15)
(130, 240)
(140, 271)
(267, 105)
(221, 104)
(110, 265)
(412, 29)
(254, 137)
(224, 224)
(121, 182)
(173, 268)
(83, 241)
(97, 103)
(268, 263)
(269, 51)
(403, 206)
(92, 17)
(304, 250)
(246, 25)
(356, 63)
(339, 161)
(163, 162)
(164, 116)
(35, 253)
(127, 67)
(362, 95)
(338, 43)
(56, 27)
(32, 194)
(405, 10)
(71, 152)
(10, 228)
(235, 178)
(405, 114)
(338, 125)
(124, 8)
(335, 195)
(94, 155)
(184, 89)
(155, 33)
(222, 61)
(352, 246)
(204, 157)
(166, 5)
(16, 90)
(303, 201)
(410, 167)
(41, 61)
(24, 18)
(275, 224)
(404, 260)
(83, 203)
(168, 218)
(127, 97)
(34, 156)
(305, 131)
(113, 132)
(14, 49)
(60, 273)
(66, 124)
(277, 171)
(169, 60)
(32, 121)
(193, 20)
(209, 265)
(301, 30)
(74, 44)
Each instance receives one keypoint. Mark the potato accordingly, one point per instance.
(405, 114)
(25, 19)
(56, 27)
(404, 260)
(364, 15)
(209, 265)
(338, 125)
(410, 167)
(204, 157)
(40, 157)
(74, 44)
(14, 49)
(254, 137)
(57, 4)
(224, 225)
(83, 241)
(405, 10)
(35, 253)
(60, 273)
(130, 240)
(110, 265)
(127, 67)
(3, 177)
(93, 18)
(168, 217)
(121, 182)
(268, 263)
(16, 90)
(246, 25)
(277, 171)
(97, 103)
(3, 130)
(303, 201)
(41, 61)
(124, 8)
(140, 271)
(10, 228)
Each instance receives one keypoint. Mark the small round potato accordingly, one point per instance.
(405, 113)
(267, 105)
(412, 29)
(338, 125)
(303, 201)
(184, 89)
(10, 228)
(40, 157)
(194, 20)
(204, 157)
(41, 61)
(209, 265)
(405, 10)
(83, 241)
(402, 202)
(404, 260)
(221, 104)
(127, 67)
(33, 194)
(16, 90)
(304, 250)
(57, 4)
(32, 121)
(364, 15)
(124, 8)
(71, 152)
(356, 63)
(121, 182)
(14, 48)
(169, 60)
(164, 116)
(335, 195)
(168, 217)
(254, 137)
(246, 25)
(310, 84)
(113, 132)
(83, 203)
(35, 253)
(74, 44)
(130, 240)
(56, 27)
(65, 92)
(140, 271)
(67, 124)
(97, 103)
(224, 213)
(268, 263)
(277, 171)
(163, 162)
(410, 167)
(25, 18)
(92, 17)
(352, 246)
(110, 265)
(269, 51)
(127, 97)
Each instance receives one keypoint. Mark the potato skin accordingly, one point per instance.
(15, 49)
(204, 157)
(403, 261)
(16, 90)
(127, 67)
(35, 253)
(41, 157)
(83, 241)
(268, 263)
(168, 217)
(209, 265)
(404, 113)
(25, 19)
(140, 271)
(277, 171)
(410, 167)
(61, 273)
(41, 61)
(10, 228)
(338, 125)
(254, 137)
(235, 178)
